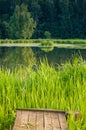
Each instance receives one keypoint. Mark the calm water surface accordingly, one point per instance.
(12, 56)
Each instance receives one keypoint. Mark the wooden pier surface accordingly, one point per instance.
(40, 119)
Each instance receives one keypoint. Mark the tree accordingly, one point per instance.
(47, 34)
(21, 24)
(62, 18)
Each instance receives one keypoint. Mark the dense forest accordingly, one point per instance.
(27, 19)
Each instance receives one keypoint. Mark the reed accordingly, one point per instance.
(46, 87)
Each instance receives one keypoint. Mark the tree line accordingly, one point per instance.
(42, 19)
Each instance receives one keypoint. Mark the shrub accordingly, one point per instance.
(47, 34)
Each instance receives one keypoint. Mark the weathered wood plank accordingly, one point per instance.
(47, 121)
(17, 121)
(41, 110)
(24, 119)
(32, 120)
(55, 121)
(62, 120)
(39, 121)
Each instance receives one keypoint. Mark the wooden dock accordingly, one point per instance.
(40, 119)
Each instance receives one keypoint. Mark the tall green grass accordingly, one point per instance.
(46, 87)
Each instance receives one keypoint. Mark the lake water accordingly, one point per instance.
(12, 56)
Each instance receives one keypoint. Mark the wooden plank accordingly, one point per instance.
(17, 121)
(24, 120)
(55, 121)
(47, 121)
(39, 121)
(62, 120)
(32, 120)
(41, 110)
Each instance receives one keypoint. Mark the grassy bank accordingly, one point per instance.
(62, 41)
(63, 89)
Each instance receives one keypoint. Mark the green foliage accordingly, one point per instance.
(44, 88)
(62, 18)
(47, 45)
(70, 41)
(0, 33)
(47, 34)
(45, 41)
(21, 23)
